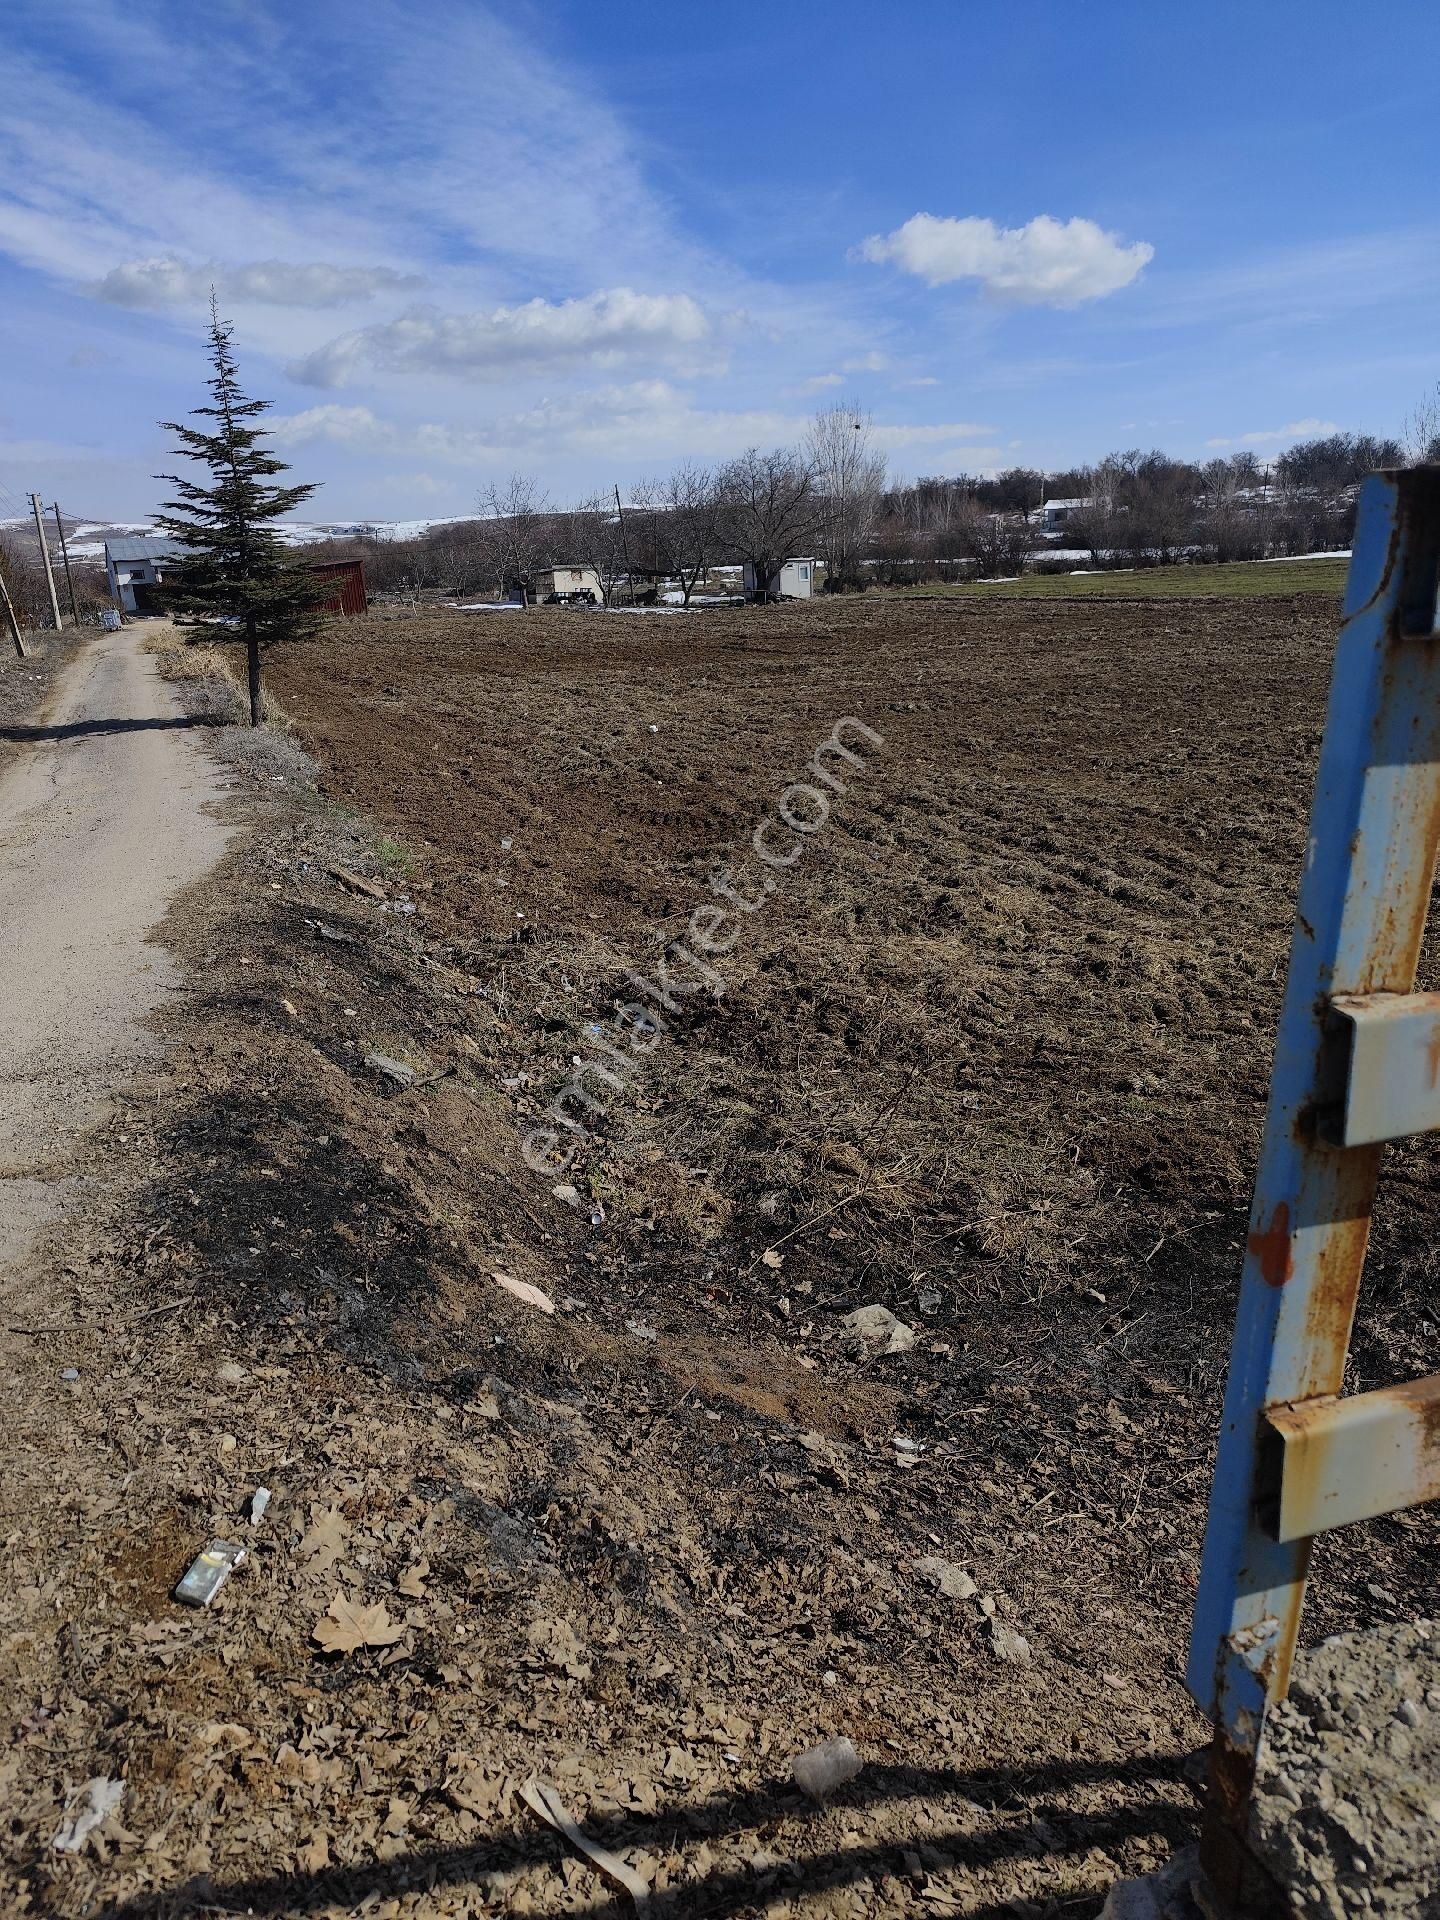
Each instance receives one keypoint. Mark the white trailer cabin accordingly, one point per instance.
(792, 580)
(563, 581)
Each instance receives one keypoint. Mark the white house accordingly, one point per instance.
(1055, 513)
(795, 580)
(139, 561)
(564, 581)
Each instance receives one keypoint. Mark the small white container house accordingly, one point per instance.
(794, 580)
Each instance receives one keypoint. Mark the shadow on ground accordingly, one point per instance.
(732, 1894)
(84, 729)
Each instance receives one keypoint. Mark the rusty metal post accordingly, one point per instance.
(1364, 894)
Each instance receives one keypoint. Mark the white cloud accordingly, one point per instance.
(408, 484)
(932, 434)
(168, 282)
(1046, 263)
(340, 426)
(1297, 430)
(640, 421)
(646, 419)
(866, 363)
(542, 336)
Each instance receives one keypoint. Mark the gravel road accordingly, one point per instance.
(106, 813)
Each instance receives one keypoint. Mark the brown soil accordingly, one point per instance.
(992, 1053)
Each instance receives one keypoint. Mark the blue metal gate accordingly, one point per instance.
(1357, 1062)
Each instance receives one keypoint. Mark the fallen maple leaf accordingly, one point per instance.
(325, 1542)
(412, 1581)
(349, 1626)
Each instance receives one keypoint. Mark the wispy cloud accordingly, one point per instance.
(642, 419)
(1311, 429)
(932, 433)
(168, 282)
(1046, 263)
(598, 330)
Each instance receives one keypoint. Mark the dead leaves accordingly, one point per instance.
(348, 1626)
(412, 1581)
(323, 1545)
(553, 1643)
(522, 1290)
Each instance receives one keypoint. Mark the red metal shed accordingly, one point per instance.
(349, 577)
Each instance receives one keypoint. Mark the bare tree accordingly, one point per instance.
(849, 480)
(1422, 431)
(998, 543)
(767, 510)
(524, 524)
(1232, 523)
(686, 510)
(597, 535)
(903, 553)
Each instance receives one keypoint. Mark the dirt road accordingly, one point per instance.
(106, 813)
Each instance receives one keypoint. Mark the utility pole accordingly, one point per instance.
(11, 621)
(624, 544)
(45, 556)
(65, 556)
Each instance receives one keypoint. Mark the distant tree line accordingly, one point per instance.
(819, 499)
(830, 498)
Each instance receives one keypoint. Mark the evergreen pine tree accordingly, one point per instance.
(235, 567)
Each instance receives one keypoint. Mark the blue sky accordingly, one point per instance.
(584, 241)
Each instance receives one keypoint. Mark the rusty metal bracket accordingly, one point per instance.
(1344, 1460)
(1352, 1068)
(1391, 1049)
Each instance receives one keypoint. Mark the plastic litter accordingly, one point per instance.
(208, 1572)
(820, 1770)
(259, 1501)
(91, 1808)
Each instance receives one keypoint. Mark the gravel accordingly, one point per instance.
(1347, 1805)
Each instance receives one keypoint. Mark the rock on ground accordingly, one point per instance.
(1347, 1808)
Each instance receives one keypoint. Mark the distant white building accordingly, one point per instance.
(138, 561)
(564, 581)
(793, 580)
(1055, 513)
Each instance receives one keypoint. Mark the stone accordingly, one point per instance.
(395, 1071)
(945, 1577)
(879, 1330)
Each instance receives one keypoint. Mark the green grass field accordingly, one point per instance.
(1240, 579)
